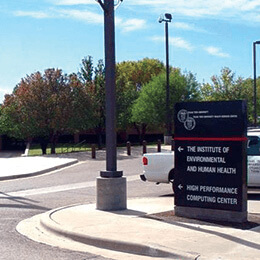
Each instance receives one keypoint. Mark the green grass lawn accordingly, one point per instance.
(35, 149)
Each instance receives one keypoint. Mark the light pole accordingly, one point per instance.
(167, 18)
(111, 186)
(254, 65)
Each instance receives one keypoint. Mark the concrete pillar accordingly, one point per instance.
(111, 194)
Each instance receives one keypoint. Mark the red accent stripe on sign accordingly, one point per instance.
(231, 139)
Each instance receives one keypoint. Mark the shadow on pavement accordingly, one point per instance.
(19, 202)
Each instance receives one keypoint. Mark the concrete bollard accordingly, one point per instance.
(144, 147)
(159, 144)
(128, 146)
(173, 145)
(93, 151)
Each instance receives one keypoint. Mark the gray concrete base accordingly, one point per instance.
(111, 193)
(211, 214)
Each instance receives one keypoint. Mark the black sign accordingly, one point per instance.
(210, 155)
(211, 119)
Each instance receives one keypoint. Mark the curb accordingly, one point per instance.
(50, 225)
(32, 174)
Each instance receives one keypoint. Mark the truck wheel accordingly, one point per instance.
(171, 175)
(171, 178)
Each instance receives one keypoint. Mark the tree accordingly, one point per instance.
(229, 87)
(81, 105)
(131, 76)
(150, 107)
(223, 87)
(45, 106)
(94, 81)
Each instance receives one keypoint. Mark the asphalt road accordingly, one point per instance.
(24, 198)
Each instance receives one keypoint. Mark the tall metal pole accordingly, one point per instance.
(168, 135)
(254, 65)
(111, 185)
(168, 115)
(109, 27)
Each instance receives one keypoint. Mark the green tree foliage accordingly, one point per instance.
(229, 87)
(131, 76)
(150, 107)
(223, 87)
(81, 105)
(138, 73)
(45, 106)
(93, 78)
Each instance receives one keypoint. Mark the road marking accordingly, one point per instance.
(59, 188)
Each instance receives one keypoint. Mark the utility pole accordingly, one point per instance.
(111, 185)
(168, 137)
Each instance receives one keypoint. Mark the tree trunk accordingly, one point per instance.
(143, 131)
(43, 143)
(54, 140)
(138, 132)
(98, 131)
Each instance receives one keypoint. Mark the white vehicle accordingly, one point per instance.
(253, 157)
(159, 167)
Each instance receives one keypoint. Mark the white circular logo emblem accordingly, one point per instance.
(190, 123)
(182, 115)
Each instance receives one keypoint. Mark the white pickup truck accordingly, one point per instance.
(159, 167)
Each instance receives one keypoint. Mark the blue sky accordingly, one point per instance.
(205, 36)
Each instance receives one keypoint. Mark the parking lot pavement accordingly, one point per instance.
(13, 165)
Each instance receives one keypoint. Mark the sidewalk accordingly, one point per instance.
(147, 229)
(20, 167)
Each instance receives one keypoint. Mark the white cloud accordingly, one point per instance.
(74, 2)
(187, 27)
(82, 15)
(184, 26)
(221, 9)
(175, 41)
(216, 52)
(33, 14)
(181, 43)
(3, 92)
(126, 25)
(245, 10)
(130, 24)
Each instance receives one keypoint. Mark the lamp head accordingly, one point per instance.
(165, 18)
(160, 20)
(168, 17)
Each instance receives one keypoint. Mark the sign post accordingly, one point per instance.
(211, 161)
